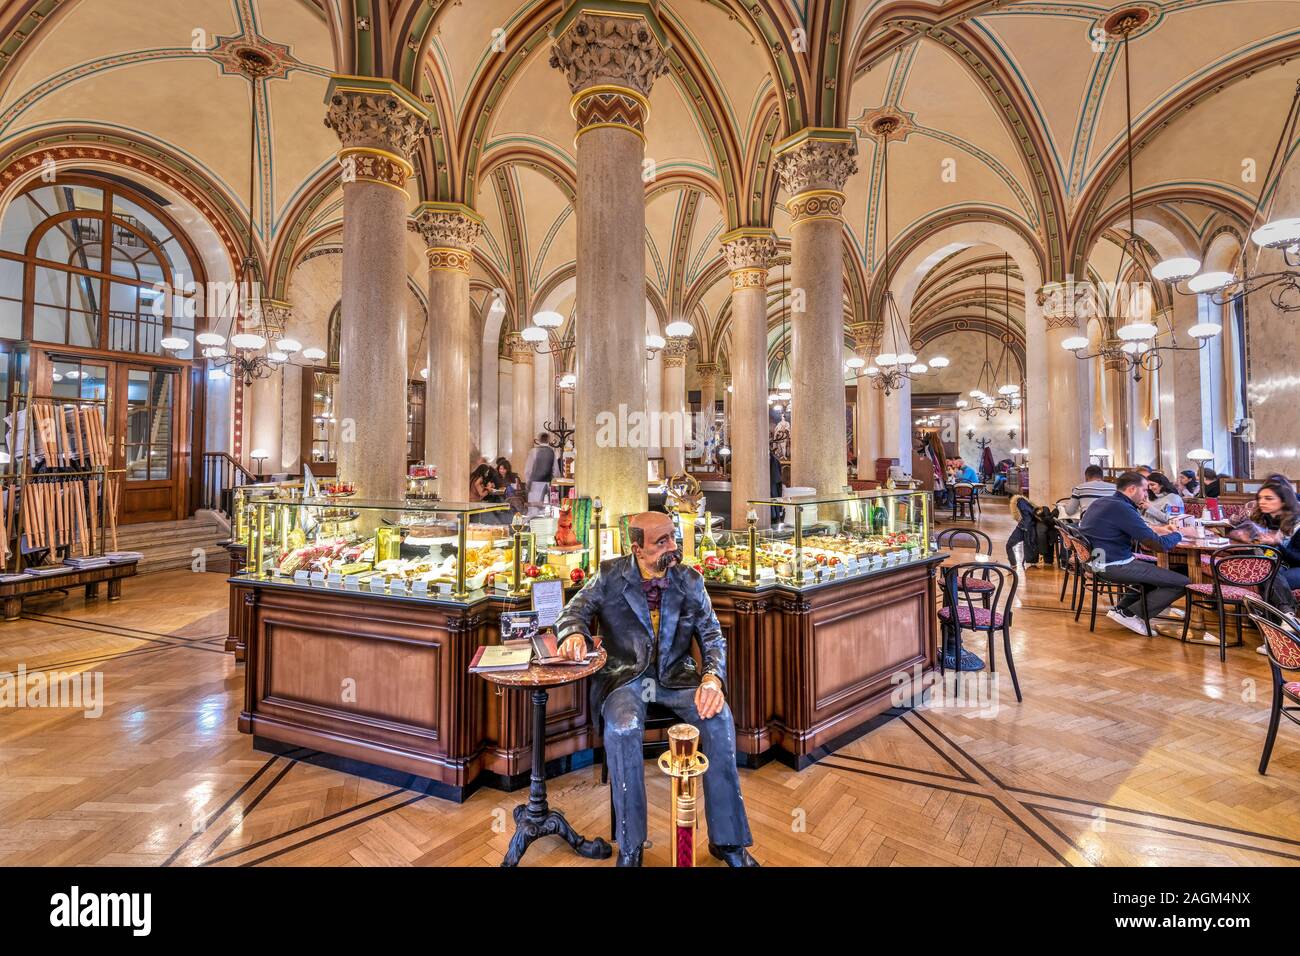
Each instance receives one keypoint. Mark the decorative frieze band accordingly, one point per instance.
(1060, 303)
(366, 164)
(602, 107)
(445, 259)
(625, 50)
(816, 204)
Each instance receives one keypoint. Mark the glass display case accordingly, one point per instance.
(409, 549)
(814, 540)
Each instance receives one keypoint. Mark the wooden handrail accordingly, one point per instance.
(221, 475)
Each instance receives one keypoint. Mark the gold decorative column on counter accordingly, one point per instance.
(814, 164)
(749, 252)
(1061, 395)
(379, 124)
(611, 53)
(676, 429)
(450, 231)
(522, 355)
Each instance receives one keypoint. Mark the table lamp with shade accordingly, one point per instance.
(1200, 456)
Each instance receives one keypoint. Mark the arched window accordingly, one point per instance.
(91, 263)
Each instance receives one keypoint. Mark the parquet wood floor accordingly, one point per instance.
(1125, 751)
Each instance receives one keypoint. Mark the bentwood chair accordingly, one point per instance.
(961, 613)
(1089, 580)
(981, 544)
(1282, 641)
(1236, 573)
(965, 501)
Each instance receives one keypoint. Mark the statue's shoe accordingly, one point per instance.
(629, 858)
(733, 855)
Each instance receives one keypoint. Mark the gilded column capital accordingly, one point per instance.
(379, 124)
(749, 252)
(814, 164)
(450, 231)
(707, 373)
(520, 349)
(675, 352)
(611, 59)
(1061, 304)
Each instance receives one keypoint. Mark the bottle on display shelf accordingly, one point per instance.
(708, 545)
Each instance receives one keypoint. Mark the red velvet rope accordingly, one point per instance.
(685, 846)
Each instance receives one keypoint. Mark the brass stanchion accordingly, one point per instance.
(684, 762)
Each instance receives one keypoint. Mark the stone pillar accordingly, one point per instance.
(675, 431)
(703, 430)
(868, 427)
(264, 395)
(814, 165)
(611, 63)
(449, 231)
(379, 125)
(522, 431)
(1184, 368)
(1061, 450)
(749, 253)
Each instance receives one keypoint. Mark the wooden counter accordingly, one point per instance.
(366, 682)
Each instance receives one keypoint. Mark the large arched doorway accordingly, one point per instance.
(94, 276)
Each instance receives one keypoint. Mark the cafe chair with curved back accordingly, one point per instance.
(1088, 579)
(1236, 573)
(1282, 641)
(961, 613)
(977, 541)
(965, 502)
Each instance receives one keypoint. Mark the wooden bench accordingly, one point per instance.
(13, 592)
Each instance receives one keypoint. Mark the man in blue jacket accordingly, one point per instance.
(650, 609)
(1112, 526)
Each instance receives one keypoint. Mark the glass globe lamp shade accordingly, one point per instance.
(173, 343)
(210, 338)
(1172, 270)
(680, 329)
(533, 334)
(655, 342)
(1211, 281)
(1074, 343)
(939, 361)
(313, 354)
(249, 341)
(1204, 330)
(1277, 234)
(548, 319)
(289, 345)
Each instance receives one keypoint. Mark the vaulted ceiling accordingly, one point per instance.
(1013, 114)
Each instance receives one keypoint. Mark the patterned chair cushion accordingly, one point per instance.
(1244, 571)
(1194, 507)
(1292, 689)
(1283, 647)
(975, 585)
(1230, 591)
(983, 617)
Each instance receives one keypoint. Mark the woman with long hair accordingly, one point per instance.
(1273, 521)
(1165, 499)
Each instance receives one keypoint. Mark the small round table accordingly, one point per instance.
(535, 819)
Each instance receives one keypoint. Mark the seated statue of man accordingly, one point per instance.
(650, 608)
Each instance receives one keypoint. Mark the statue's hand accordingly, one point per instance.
(574, 647)
(709, 697)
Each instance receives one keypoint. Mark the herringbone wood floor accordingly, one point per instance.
(1125, 751)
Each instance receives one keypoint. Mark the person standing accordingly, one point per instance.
(1112, 526)
(539, 470)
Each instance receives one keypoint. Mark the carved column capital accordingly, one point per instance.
(1061, 303)
(707, 373)
(450, 231)
(611, 62)
(379, 125)
(520, 349)
(275, 317)
(814, 164)
(749, 252)
(674, 353)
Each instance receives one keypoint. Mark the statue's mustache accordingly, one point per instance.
(667, 560)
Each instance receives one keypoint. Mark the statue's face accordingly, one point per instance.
(659, 548)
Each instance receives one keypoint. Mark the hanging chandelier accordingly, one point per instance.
(1007, 397)
(1283, 286)
(257, 346)
(1134, 344)
(896, 364)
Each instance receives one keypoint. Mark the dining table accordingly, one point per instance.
(1195, 551)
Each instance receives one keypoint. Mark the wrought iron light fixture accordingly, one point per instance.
(1133, 344)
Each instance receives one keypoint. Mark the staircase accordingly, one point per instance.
(169, 545)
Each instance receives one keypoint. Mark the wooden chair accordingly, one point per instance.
(965, 501)
(981, 544)
(1236, 573)
(1282, 641)
(1089, 580)
(960, 613)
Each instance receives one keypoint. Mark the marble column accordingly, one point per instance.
(379, 125)
(814, 165)
(1061, 449)
(675, 431)
(749, 252)
(1184, 368)
(264, 397)
(611, 62)
(703, 429)
(868, 427)
(522, 432)
(449, 231)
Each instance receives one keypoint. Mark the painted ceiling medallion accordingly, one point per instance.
(1134, 19)
(254, 57)
(894, 124)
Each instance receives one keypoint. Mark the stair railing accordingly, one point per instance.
(222, 474)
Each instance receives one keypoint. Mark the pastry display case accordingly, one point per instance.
(411, 549)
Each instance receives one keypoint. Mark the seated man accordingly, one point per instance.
(650, 608)
(1112, 525)
(1093, 487)
(964, 472)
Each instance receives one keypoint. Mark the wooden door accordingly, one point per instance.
(147, 420)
